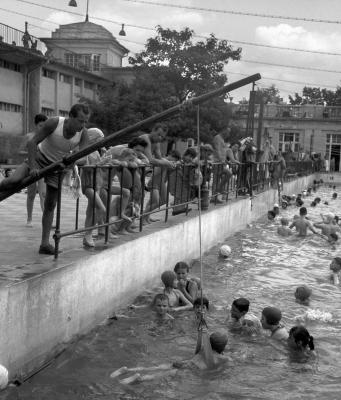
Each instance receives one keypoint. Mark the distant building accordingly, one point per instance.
(299, 129)
(78, 59)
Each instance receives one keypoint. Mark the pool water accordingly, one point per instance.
(263, 267)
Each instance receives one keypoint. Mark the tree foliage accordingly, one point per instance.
(270, 94)
(168, 71)
(318, 96)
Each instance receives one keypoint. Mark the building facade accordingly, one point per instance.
(49, 75)
(299, 129)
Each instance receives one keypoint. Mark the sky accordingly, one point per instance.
(214, 16)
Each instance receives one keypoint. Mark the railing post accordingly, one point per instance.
(143, 178)
(107, 214)
(59, 204)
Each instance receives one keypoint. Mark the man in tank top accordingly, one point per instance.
(57, 138)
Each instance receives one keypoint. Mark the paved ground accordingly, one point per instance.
(19, 258)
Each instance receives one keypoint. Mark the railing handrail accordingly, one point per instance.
(112, 138)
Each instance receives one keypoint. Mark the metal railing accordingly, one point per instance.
(19, 38)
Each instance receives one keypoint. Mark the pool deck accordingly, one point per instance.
(19, 258)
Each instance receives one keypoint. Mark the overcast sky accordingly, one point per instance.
(141, 18)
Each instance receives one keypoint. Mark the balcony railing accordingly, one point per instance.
(21, 39)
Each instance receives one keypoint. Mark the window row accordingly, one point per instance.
(10, 65)
(88, 62)
(10, 107)
(68, 79)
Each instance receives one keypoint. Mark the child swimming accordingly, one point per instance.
(177, 301)
(187, 286)
(299, 339)
(302, 294)
(284, 229)
(335, 267)
(239, 309)
(161, 307)
(302, 224)
(270, 320)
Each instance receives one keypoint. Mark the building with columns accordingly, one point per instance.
(300, 129)
(48, 75)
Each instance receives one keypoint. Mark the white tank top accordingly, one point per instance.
(55, 146)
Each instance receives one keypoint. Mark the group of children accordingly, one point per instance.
(184, 293)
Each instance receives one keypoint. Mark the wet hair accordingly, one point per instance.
(160, 296)
(241, 304)
(175, 154)
(300, 334)
(272, 214)
(190, 152)
(336, 268)
(77, 108)
(317, 200)
(40, 118)
(299, 202)
(284, 221)
(313, 204)
(334, 236)
(218, 341)
(334, 195)
(205, 302)
(272, 315)
(303, 293)
(303, 211)
(138, 141)
(181, 265)
(168, 278)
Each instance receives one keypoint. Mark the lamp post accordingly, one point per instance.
(73, 3)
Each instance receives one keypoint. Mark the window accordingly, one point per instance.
(334, 138)
(65, 78)
(49, 112)
(289, 141)
(48, 74)
(78, 82)
(10, 107)
(72, 59)
(63, 113)
(10, 65)
(96, 62)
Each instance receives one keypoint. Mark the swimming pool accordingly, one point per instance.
(264, 268)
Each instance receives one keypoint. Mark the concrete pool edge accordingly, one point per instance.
(42, 313)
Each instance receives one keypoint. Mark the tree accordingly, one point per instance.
(318, 96)
(192, 68)
(168, 71)
(270, 95)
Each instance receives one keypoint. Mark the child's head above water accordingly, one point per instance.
(270, 316)
(313, 204)
(271, 215)
(334, 195)
(251, 325)
(168, 278)
(302, 293)
(197, 305)
(333, 238)
(299, 338)
(317, 200)
(181, 269)
(284, 221)
(335, 265)
(299, 202)
(218, 341)
(276, 209)
(225, 251)
(239, 307)
(303, 211)
(161, 304)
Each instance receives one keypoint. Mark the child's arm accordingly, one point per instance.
(192, 292)
(187, 304)
(335, 277)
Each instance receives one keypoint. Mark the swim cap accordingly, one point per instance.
(168, 278)
(303, 292)
(251, 324)
(3, 377)
(95, 134)
(272, 315)
(276, 205)
(330, 216)
(225, 250)
(218, 341)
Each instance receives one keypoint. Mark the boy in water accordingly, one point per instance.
(284, 229)
(210, 355)
(328, 226)
(177, 301)
(302, 294)
(335, 267)
(302, 224)
(161, 307)
(188, 287)
(239, 309)
(270, 320)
